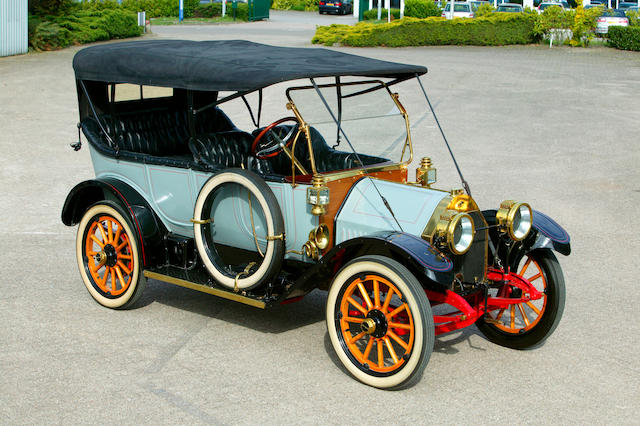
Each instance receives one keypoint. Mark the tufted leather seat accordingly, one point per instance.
(161, 132)
(227, 149)
(327, 159)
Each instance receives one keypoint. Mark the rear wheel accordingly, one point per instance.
(108, 256)
(525, 325)
(380, 322)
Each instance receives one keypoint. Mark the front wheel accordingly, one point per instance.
(525, 325)
(380, 322)
(109, 257)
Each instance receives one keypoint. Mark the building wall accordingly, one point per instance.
(13, 27)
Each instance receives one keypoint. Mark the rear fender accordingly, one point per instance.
(428, 265)
(150, 230)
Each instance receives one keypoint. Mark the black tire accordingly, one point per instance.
(274, 252)
(521, 335)
(405, 316)
(113, 254)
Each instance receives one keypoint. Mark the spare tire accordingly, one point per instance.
(234, 276)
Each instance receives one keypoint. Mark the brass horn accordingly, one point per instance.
(320, 236)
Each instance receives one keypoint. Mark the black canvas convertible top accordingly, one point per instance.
(233, 65)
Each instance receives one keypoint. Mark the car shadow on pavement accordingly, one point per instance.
(277, 319)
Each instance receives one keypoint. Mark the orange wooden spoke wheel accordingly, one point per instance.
(525, 325)
(109, 255)
(522, 317)
(372, 326)
(380, 322)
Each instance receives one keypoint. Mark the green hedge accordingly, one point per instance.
(372, 14)
(294, 5)
(495, 30)
(153, 8)
(625, 38)
(82, 26)
(421, 8)
(212, 10)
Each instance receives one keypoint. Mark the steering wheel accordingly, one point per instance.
(274, 144)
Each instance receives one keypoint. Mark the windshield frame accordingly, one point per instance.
(339, 174)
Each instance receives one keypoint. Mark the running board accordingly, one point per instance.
(205, 289)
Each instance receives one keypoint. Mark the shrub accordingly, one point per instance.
(294, 4)
(372, 14)
(553, 18)
(83, 26)
(421, 8)
(634, 18)
(484, 10)
(49, 7)
(156, 8)
(211, 10)
(583, 25)
(625, 38)
(498, 29)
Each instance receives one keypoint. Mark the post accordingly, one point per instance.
(356, 9)
(181, 12)
(379, 10)
(387, 5)
(401, 9)
(452, 9)
(224, 8)
(370, 4)
(142, 21)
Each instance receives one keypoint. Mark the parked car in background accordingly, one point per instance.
(462, 10)
(340, 7)
(510, 7)
(546, 5)
(623, 6)
(592, 5)
(611, 18)
(475, 4)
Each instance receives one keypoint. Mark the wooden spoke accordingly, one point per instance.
(387, 300)
(367, 350)
(398, 325)
(357, 305)
(123, 284)
(113, 281)
(499, 314)
(513, 316)
(397, 311)
(392, 352)
(397, 338)
(121, 246)
(101, 229)
(525, 266)
(535, 277)
(380, 354)
(103, 284)
(365, 295)
(524, 315)
(376, 293)
(533, 308)
(117, 236)
(353, 319)
(97, 241)
(124, 256)
(109, 231)
(357, 337)
(124, 268)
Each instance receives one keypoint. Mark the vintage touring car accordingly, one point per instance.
(320, 199)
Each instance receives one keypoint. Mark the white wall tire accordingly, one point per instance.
(123, 280)
(274, 253)
(401, 364)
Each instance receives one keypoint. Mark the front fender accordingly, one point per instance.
(149, 228)
(545, 233)
(429, 266)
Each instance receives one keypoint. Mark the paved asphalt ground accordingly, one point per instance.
(556, 127)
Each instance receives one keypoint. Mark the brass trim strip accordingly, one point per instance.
(201, 222)
(205, 289)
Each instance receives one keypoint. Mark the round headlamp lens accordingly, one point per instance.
(521, 222)
(461, 232)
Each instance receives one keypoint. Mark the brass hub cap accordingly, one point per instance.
(368, 326)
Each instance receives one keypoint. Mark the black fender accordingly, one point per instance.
(426, 263)
(545, 234)
(151, 232)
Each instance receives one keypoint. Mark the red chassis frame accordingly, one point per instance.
(470, 308)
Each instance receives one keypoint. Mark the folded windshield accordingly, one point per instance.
(372, 121)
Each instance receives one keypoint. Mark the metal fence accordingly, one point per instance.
(13, 27)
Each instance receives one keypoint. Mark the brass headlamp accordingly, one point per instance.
(514, 218)
(318, 195)
(457, 230)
